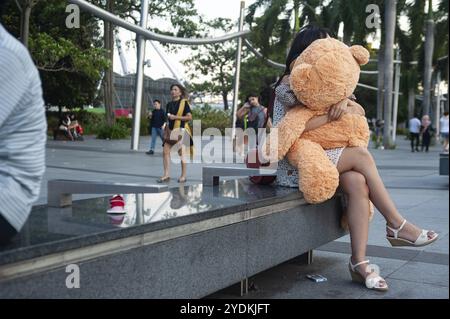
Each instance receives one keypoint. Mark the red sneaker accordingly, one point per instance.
(117, 205)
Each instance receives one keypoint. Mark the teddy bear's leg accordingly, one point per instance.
(318, 177)
(286, 133)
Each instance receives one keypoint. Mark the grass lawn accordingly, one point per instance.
(96, 110)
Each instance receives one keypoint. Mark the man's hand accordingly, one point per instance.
(172, 117)
(337, 110)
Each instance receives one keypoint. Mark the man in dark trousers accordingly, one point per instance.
(157, 119)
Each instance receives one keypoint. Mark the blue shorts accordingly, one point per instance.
(444, 135)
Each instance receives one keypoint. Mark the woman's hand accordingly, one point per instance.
(337, 110)
(172, 117)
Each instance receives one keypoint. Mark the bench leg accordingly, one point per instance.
(244, 287)
(306, 258)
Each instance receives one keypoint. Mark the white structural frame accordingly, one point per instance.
(143, 35)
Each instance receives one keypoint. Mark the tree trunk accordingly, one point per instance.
(380, 82)
(390, 17)
(225, 100)
(25, 24)
(429, 48)
(448, 84)
(108, 79)
(411, 102)
(296, 16)
(347, 37)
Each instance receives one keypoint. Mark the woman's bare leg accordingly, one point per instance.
(360, 160)
(183, 163)
(166, 160)
(355, 188)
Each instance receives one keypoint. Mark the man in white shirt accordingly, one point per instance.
(414, 130)
(443, 128)
(23, 134)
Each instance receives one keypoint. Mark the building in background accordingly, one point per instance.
(124, 87)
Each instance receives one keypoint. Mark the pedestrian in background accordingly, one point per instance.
(443, 128)
(426, 131)
(157, 119)
(414, 133)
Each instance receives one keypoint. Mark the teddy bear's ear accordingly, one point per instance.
(300, 74)
(360, 54)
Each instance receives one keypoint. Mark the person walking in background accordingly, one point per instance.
(157, 119)
(23, 134)
(443, 125)
(426, 131)
(379, 127)
(414, 133)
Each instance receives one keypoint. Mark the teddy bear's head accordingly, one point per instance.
(327, 72)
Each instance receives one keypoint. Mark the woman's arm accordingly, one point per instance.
(351, 107)
(242, 111)
(316, 122)
(184, 118)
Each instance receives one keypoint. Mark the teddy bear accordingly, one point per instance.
(324, 74)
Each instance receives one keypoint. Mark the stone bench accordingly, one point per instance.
(59, 191)
(186, 242)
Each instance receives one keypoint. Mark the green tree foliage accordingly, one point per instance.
(214, 61)
(69, 60)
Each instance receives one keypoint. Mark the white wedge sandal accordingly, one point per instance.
(372, 281)
(422, 240)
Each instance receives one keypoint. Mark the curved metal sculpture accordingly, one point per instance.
(149, 35)
(259, 55)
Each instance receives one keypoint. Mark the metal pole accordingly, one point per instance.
(390, 18)
(437, 113)
(238, 69)
(139, 78)
(396, 93)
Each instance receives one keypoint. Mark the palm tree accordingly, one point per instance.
(410, 43)
(441, 49)
(389, 19)
(429, 49)
(273, 31)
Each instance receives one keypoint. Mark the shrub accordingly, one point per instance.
(212, 118)
(115, 132)
(402, 131)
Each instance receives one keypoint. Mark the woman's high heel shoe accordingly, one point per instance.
(372, 281)
(163, 180)
(422, 240)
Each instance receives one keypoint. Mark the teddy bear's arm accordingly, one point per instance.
(356, 108)
(288, 130)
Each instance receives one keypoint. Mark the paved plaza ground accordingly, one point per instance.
(411, 178)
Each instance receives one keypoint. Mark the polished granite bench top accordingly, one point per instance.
(51, 230)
